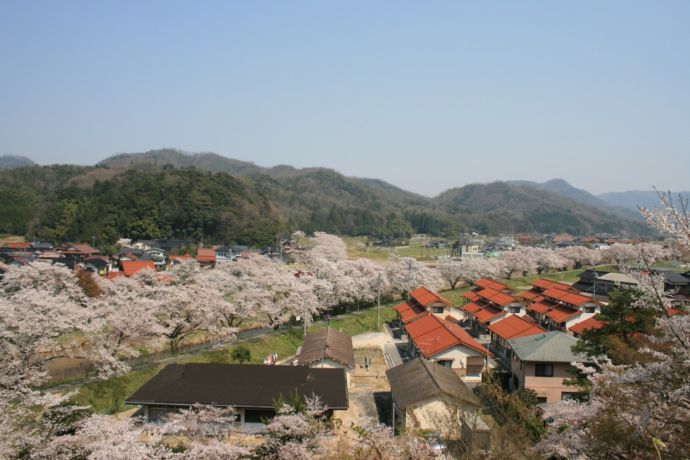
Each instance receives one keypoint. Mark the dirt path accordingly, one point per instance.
(366, 387)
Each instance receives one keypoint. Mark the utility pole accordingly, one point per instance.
(378, 307)
(393, 422)
(304, 320)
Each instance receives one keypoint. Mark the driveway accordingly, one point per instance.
(367, 385)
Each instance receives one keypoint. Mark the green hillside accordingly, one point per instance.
(169, 194)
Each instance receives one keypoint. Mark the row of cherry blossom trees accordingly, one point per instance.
(45, 313)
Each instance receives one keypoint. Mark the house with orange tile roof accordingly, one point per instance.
(508, 328)
(420, 301)
(447, 344)
(586, 325)
(558, 306)
(539, 286)
(131, 267)
(206, 257)
(490, 301)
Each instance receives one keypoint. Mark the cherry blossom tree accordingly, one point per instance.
(297, 432)
(580, 256)
(517, 261)
(277, 292)
(452, 272)
(671, 218)
(469, 270)
(638, 410)
(194, 433)
(320, 246)
(406, 273)
(545, 260)
(621, 253)
(44, 315)
(329, 247)
(376, 442)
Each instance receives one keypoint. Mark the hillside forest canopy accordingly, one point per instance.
(99, 204)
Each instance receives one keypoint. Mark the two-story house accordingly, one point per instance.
(542, 363)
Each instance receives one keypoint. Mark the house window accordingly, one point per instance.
(437, 310)
(589, 309)
(258, 416)
(475, 366)
(567, 395)
(541, 399)
(445, 362)
(157, 413)
(515, 309)
(543, 370)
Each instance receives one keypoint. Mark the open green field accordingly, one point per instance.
(108, 396)
(356, 248)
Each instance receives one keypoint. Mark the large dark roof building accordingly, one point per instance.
(252, 389)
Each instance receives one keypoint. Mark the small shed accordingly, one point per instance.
(328, 348)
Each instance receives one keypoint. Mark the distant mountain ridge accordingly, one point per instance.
(14, 161)
(565, 189)
(632, 199)
(58, 202)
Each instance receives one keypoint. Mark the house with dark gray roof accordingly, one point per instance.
(250, 389)
(327, 348)
(543, 363)
(428, 396)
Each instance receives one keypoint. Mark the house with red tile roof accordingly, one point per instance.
(409, 311)
(420, 301)
(490, 301)
(579, 328)
(448, 344)
(508, 328)
(567, 309)
(558, 306)
(130, 267)
(15, 247)
(206, 257)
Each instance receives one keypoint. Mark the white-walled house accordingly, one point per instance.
(328, 348)
(430, 397)
(447, 344)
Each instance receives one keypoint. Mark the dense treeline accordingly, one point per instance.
(137, 204)
(251, 205)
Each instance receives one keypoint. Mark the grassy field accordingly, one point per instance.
(356, 248)
(108, 396)
(7, 238)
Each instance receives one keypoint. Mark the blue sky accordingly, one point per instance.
(426, 95)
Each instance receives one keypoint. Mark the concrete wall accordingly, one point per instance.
(440, 414)
(550, 388)
(331, 364)
(459, 356)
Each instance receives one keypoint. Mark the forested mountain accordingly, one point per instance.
(169, 194)
(563, 188)
(139, 204)
(14, 161)
(505, 207)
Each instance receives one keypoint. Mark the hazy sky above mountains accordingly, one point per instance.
(426, 95)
